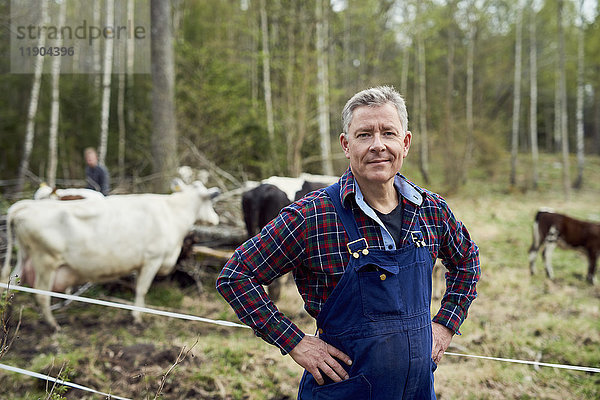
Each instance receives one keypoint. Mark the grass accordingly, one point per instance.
(515, 316)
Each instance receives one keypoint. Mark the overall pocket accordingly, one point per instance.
(389, 291)
(415, 287)
(380, 291)
(357, 387)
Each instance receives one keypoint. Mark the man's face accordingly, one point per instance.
(91, 159)
(376, 143)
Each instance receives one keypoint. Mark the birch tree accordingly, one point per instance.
(533, 94)
(422, 105)
(468, 155)
(562, 85)
(38, 67)
(266, 59)
(106, 83)
(516, 98)
(451, 171)
(323, 88)
(164, 129)
(579, 113)
(55, 106)
(126, 87)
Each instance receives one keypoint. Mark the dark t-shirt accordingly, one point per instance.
(393, 222)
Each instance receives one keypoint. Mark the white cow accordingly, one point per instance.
(65, 243)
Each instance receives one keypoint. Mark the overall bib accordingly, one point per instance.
(379, 315)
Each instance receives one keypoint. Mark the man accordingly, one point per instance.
(361, 252)
(96, 175)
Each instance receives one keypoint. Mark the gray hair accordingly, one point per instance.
(373, 97)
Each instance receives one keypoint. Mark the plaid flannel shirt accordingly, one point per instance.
(308, 239)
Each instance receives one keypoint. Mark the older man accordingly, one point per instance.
(361, 252)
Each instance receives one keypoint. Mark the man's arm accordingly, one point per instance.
(460, 255)
(276, 250)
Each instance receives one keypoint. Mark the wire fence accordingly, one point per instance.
(189, 317)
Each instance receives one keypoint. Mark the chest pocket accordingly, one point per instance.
(392, 291)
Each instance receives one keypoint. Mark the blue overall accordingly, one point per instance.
(379, 315)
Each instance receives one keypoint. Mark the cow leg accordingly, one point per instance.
(43, 281)
(593, 258)
(533, 252)
(550, 246)
(534, 248)
(144, 280)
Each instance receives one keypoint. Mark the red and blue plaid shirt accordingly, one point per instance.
(309, 240)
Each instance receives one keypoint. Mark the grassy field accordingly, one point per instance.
(515, 316)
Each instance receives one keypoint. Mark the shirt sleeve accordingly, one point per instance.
(276, 250)
(460, 255)
(105, 181)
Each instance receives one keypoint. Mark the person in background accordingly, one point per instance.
(361, 252)
(96, 175)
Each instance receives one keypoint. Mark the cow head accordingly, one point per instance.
(43, 192)
(206, 212)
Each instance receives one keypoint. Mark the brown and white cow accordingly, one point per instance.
(65, 243)
(46, 192)
(551, 229)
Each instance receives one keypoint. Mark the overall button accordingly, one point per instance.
(320, 331)
(382, 277)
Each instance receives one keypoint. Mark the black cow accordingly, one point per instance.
(260, 205)
(308, 187)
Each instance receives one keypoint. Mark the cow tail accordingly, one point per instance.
(9, 245)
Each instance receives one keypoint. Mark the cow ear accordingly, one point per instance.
(177, 185)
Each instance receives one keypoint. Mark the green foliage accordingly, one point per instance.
(220, 105)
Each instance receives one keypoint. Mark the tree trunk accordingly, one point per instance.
(514, 146)
(533, 96)
(164, 132)
(121, 126)
(289, 119)
(33, 103)
(128, 95)
(469, 103)
(55, 107)
(424, 145)
(450, 165)
(563, 103)
(266, 58)
(302, 104)
(96, 16)
(323, 88)
(579, 114)
(404, 72)
(106, 82)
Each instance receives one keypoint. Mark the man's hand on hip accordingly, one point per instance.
(442, 337)
(316, 356)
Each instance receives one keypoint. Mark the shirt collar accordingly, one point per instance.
(405, 188)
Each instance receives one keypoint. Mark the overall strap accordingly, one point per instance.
(345, 214)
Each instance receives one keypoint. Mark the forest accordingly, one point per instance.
(256, 87)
